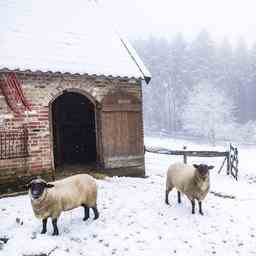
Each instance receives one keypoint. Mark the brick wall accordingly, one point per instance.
(41, 89)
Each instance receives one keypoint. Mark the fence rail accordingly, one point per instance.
(187, 152)
(230, 156)
(13, 143)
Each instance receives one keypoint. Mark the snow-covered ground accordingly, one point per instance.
(135, 221)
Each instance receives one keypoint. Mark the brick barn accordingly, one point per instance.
(71, 96)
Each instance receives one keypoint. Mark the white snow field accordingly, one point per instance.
(134, 220)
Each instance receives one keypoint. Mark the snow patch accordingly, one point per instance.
(134, 220)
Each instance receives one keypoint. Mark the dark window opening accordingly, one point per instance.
(74, 134)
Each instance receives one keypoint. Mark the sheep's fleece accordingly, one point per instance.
(186, 179)
(66, 194)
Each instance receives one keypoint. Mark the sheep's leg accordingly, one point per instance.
(86, 212)
(200, 208)
(96, 212)
(44, 226)
(193, 206)
(55, 227)
(168, 188)
(166, 196)
(179, 197)
(167, 191)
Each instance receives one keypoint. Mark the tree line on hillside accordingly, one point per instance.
(199, 87)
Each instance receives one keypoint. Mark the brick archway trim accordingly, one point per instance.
(76, 90)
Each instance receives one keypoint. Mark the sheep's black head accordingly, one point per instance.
(37, 187)
(203, 169)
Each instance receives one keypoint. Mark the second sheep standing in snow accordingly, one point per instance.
(193, 181)
(50, 199)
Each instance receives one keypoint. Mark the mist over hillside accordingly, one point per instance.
(225, 73)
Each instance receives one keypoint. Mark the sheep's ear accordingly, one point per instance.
(28, 185)
(210, 167)
(196, 166)
(48, 185)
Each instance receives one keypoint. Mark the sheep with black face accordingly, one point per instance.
(193, 181)
(50, 199)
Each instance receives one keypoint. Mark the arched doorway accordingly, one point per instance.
(74, 131)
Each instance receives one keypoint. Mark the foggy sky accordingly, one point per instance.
(141, 18)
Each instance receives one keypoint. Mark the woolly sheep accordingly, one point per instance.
(193, 181)
(50, 199)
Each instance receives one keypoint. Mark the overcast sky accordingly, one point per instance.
(140, 18)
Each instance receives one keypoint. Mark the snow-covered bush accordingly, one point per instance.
(246, 132)
(208, 111)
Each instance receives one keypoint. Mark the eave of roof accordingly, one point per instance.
(58, 73)
(137, 60)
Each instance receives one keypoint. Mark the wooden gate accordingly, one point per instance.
(233, 161)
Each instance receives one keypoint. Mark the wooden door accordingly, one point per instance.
(122, 130)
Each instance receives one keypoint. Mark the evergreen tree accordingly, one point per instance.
(224, 71)
(177, 80)
(251, 90)
(202, 58)
(241, 78)
(154, 53)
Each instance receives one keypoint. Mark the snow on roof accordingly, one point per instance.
(137, 59)
(64, 36)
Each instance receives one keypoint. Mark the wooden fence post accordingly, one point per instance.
(185, 160)
(228, 160)
(228, 163)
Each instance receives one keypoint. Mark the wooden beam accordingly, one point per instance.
(195, 153)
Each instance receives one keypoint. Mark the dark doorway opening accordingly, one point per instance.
(74, 133)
